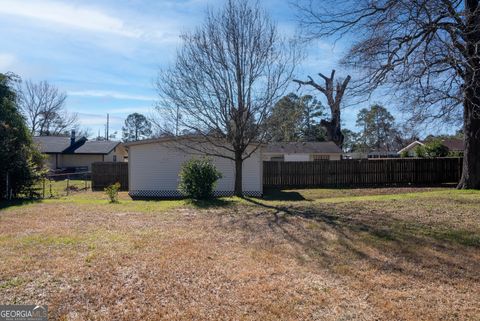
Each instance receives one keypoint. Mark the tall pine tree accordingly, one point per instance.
(20, 165)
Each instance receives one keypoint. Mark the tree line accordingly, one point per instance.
(228, 81)
(231, 70)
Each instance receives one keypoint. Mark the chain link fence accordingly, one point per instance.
(58, 185)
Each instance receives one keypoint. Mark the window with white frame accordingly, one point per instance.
(317, 158)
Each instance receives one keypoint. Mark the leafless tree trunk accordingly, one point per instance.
(334, 94)
(471, 101)
(44, 107)
(225, 80)
(424, 53)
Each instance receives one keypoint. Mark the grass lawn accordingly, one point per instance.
(325, 254)
(58, 188)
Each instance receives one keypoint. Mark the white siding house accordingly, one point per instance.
(154, 166)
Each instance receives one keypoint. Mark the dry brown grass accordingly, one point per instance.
(335, 255)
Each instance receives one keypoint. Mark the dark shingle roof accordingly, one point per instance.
(52, 144)
(303, 147)
(454, 144)
(96, 147)
(61, 145)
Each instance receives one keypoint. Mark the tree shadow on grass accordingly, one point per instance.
(377, 238)
(210, 203)
(281, 195)
(4, 204)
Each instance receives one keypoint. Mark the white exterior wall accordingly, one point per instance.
(154, 168)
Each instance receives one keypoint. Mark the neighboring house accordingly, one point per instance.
(371, 154)
(382, 154)
(454, 145)
(410, 148)
(301, 152)
(78, 153)
(154, 165)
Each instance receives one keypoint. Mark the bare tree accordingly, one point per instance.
(334, 93)
(226, 78)
(44, 107)
(426, 53)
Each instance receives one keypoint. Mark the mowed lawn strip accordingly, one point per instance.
(320, 254)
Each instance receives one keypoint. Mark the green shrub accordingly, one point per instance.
(435, 148)
(404, 154)
(198, 178)
(112, 192)
(420, 152)
(455, 154)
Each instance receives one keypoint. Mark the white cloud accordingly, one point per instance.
(69, 15)
(7, 61)
(98, 119)
(110, 94)
(129, 110)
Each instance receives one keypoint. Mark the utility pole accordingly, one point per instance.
(108, 124)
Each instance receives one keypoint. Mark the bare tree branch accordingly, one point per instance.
(226, 78)
(423, 53)
(334, 95)
(44, 107)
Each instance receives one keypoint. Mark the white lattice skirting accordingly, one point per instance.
(177, 194)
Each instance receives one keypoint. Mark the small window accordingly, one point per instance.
(114, 158)
(277, 159)
(317, 158)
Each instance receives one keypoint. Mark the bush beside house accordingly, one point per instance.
(198, 178)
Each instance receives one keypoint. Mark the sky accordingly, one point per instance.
(106, 54)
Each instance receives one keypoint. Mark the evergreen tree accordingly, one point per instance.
(136, 127)
(312, 111)
(285, 120)
(378, 128)
(20, 161)
(296, 118)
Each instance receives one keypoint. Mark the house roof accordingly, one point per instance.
(156, 140)
(454, 144)
(192, 138)
(61, 145)
(303, 147)
(410, 146)
(53, 144)
(96, 147)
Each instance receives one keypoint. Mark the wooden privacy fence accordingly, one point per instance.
(107, 173)
(403, 171)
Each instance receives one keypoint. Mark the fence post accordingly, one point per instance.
(7, 190)
(68, 181)
(43, 189)
(50, 182)
(6, 186)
